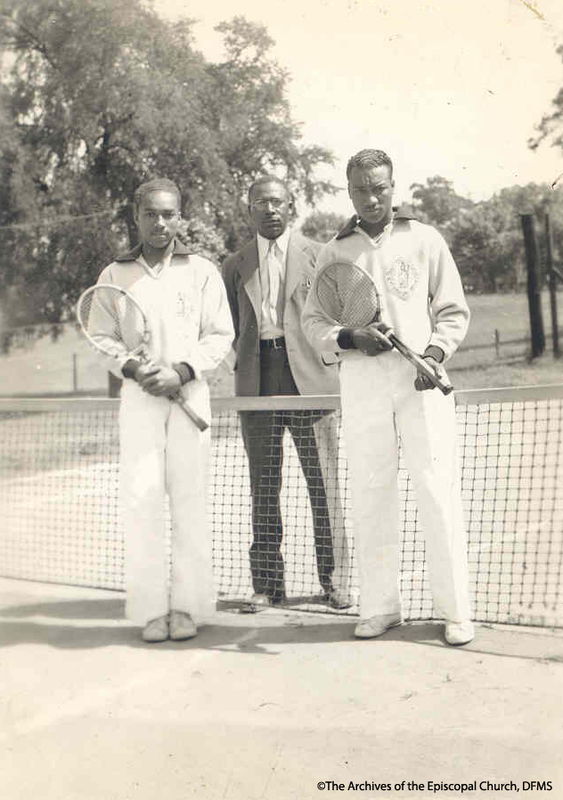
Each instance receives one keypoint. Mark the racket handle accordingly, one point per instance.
(177, 398)
(189, 412)
(421, 364)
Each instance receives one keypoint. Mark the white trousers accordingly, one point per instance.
(326, 437)
(163, 452)
(379, 402)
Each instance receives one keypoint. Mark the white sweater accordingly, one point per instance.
(186, 306)
(416, 276)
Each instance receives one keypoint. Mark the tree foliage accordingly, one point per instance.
(551, 125)
(486, 237)
(98, 96)
(437, 203)
(322, 225)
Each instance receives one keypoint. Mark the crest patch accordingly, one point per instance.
(185, 308)
(401, 276)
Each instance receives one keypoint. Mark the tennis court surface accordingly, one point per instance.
(273, 704)
(266, 705)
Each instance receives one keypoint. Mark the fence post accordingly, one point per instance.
(552, 280)
(534, 296)
(497, 342)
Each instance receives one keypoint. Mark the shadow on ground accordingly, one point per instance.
(258, 633)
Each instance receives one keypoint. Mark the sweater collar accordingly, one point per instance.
(180, 249)
(402, 212)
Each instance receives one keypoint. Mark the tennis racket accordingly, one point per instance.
(114, 323)
(348, 295)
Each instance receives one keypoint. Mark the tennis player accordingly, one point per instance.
(384, 397)
(162, 450)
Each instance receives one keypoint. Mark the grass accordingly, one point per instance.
(69, 367)
(518, 372)
(46, 367)
(508, 313)
(477, 365)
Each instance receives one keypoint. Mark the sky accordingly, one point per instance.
(447, 87)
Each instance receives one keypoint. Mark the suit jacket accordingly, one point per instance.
(241, 275)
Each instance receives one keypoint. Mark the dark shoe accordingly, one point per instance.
(258, 602)
(338, 599)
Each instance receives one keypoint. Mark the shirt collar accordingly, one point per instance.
(375, 240)
(281, 243)
(158, 268)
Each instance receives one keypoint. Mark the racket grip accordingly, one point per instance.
(443, 385)
(188, 410)
(177, 398)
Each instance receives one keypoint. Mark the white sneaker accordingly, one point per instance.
(375, 626)
(182, 626)
(459, 632)
(156, 630)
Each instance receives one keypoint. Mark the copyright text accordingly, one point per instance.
(432, 786)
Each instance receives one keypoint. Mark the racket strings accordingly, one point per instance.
(348, 295)
(112, 320)
(116, 325)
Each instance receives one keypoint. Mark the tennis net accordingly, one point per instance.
(59, 501)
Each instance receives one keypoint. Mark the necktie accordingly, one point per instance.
(274, 268)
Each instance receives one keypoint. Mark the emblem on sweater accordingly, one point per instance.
(401, 276)
(181, 305)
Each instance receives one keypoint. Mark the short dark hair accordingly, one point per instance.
(155, 185)
(267, 179)
(369, 158)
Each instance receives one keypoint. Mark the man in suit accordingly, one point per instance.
(267, 284)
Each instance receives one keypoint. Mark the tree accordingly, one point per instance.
(99, 96)
(247, 104)
(551, 128)
(551, 125)
(487, 254)
(322, 225)
(486, 239)
(538, 199)
(436, 203)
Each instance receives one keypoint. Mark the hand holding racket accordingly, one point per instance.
(114, 323)
(348, 296)
(372, 339)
